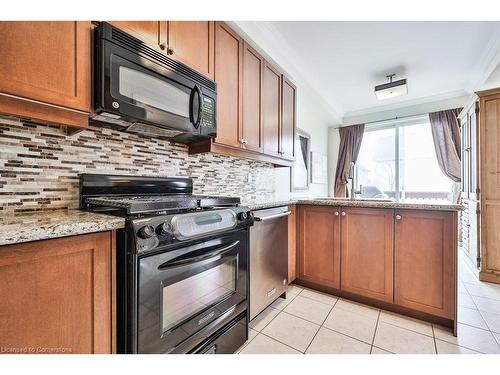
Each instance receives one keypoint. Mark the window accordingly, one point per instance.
(397, 160)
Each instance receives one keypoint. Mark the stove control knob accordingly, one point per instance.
(164, 229)
(242, 216)
(146, 231)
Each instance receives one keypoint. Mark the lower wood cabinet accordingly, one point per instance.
(425, 261)
(404, 260)
(58, 295)
(292, 244)
(319, 245)
(366, 244)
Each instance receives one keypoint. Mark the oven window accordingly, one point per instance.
(188, 297)
(153, 91)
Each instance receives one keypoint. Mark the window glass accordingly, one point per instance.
(400, 162)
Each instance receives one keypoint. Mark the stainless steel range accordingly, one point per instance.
(182, 264)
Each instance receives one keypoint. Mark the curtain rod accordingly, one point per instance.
(387, 119)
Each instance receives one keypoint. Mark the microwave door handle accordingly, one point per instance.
(196, 90)
(182, 261)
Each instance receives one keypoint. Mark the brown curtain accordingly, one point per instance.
(350, 143)
(446, 136)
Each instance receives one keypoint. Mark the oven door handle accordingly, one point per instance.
(180, 262)
(265, 218)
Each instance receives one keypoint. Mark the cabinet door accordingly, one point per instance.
(153, 33)
(228, 75)
(425, 261)
(319, 245)
(288, 108)
(59, 294)
(292, 244)
(47, 62)
(367, 236)
(192, 42)
(253, 67)
(272, 110)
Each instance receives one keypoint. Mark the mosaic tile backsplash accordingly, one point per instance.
(39, 165)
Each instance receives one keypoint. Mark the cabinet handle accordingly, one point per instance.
(243, 141)
(398, 217)
(170, 51)
(162, 46)
(336, 213)
(343, 213)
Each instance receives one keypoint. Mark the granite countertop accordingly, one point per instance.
(358, 203)
(33, 226)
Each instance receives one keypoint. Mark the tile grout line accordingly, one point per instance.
(375, 331)
(321, 325)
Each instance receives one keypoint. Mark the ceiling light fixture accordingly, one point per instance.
(391, 89)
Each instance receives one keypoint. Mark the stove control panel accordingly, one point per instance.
(153, 232)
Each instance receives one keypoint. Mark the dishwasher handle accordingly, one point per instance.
(270, 217)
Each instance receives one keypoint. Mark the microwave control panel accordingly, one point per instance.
(208, 112)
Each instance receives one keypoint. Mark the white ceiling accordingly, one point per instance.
(343, 61)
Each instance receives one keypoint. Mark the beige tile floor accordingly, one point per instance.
(312, 322)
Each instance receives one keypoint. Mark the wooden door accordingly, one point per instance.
(272, 110)
(228, 76)
(367, 254)
(292, 244)
(192, 42)
(288, 122)
(153, 33)
(319, 245)
(49, 62)
(59, 294)
(253, 68)
(425, 261)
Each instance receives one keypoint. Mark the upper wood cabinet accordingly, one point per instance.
(367, 252)
(59, 293)
(45, 71)
(228, 75)
(319, 245)
(192, 42)
(272, 110)
(425, 261)
(288, 118)
(153, 33)
(253, 68)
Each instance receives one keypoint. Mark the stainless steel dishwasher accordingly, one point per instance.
(268, 257)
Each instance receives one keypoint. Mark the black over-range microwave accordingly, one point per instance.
(144, 91)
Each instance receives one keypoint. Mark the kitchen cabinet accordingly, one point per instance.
(153, 33)
(399, 260)
(228, 76)
(425, 261)
(319, 245)
(367, 252)
(253, 68)
(254, 120)
(489, 167)
(272, 110)
(45, 71)
(59, 293)
(292, 244)
(192, 42)
(288, 118)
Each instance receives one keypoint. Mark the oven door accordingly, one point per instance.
(140, 90)
(185, 295)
